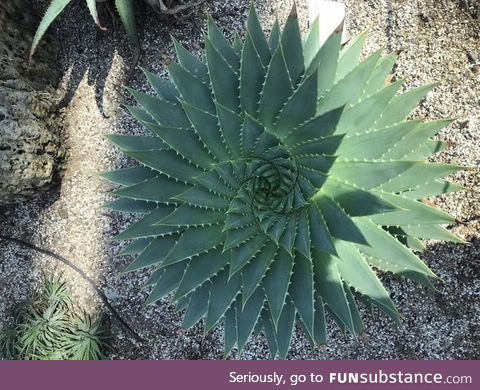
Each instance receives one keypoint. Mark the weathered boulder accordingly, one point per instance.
(29, 129)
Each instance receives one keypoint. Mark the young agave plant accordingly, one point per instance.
(47, 328)
(278, 178)
(125, 9)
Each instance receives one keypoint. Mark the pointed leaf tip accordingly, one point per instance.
(294, 11)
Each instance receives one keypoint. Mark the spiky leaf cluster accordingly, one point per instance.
(125, 9)
(278, 177)
(47, 328)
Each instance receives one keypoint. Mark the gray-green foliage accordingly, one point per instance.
(47, 328)
(279, 176)
(125, 9)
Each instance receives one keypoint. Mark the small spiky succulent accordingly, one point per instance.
(47, 328)
(279, 178)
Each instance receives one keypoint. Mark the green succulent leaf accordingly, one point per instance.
(54, 9)
(279, 178)
(125, 9)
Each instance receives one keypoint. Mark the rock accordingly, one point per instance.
(29, 130)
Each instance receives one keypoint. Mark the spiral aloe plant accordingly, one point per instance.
(278, 178)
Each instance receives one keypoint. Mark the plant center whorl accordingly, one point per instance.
(269, 189)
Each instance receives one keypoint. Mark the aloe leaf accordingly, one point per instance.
(257, 36)
(410, 212)
(339, 224)
(54, 9)
(276, 283)
(230, 334)
(136, 247)
(188, 216)
(311, 44)
(130, 206)
(432, 188)
(300, 107)
(166, 162)
(285, 326)
(193, 242)
(358, 325)
(168, 281)
(246, 252)
(325, 63)
(222, 46)
(252, 76)
(274, 38)
(153, 254)
(270, 334)
(165, 113)
(349, 89)
(379, 75)
(191, 63)
(320, 126)
(276, 89)
(302, 292)
(319, 233)
(230, 126)
(199, 270)
(185, 142)
(417, 175)
(197, 306)
(328, 145)
(287, 240)
(349, 56)
(254, 271)
(329, 284)
(384, 246)
(140, 114)
(92, 7)
(129, 176)
(371, 174)
(214, 182)
(400, 106)
(165, 89)
(223, 293)
(128, 143)
(377, 144)
(192, 90)
(201, 197)
(291, 43)
(319, 330)
(358, 274)
(157, 189)
(126, 11)
(247, 316)
(206, 126)
(236, 237)
(224, 80)
(433, 232)
(361, 116)
(144, 227)
(355, 201)
(251, 131)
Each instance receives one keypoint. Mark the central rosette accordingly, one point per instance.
(268, 194)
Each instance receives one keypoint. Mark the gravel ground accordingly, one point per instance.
(437, 41)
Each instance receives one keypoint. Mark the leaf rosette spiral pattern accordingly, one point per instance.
(280, 175)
